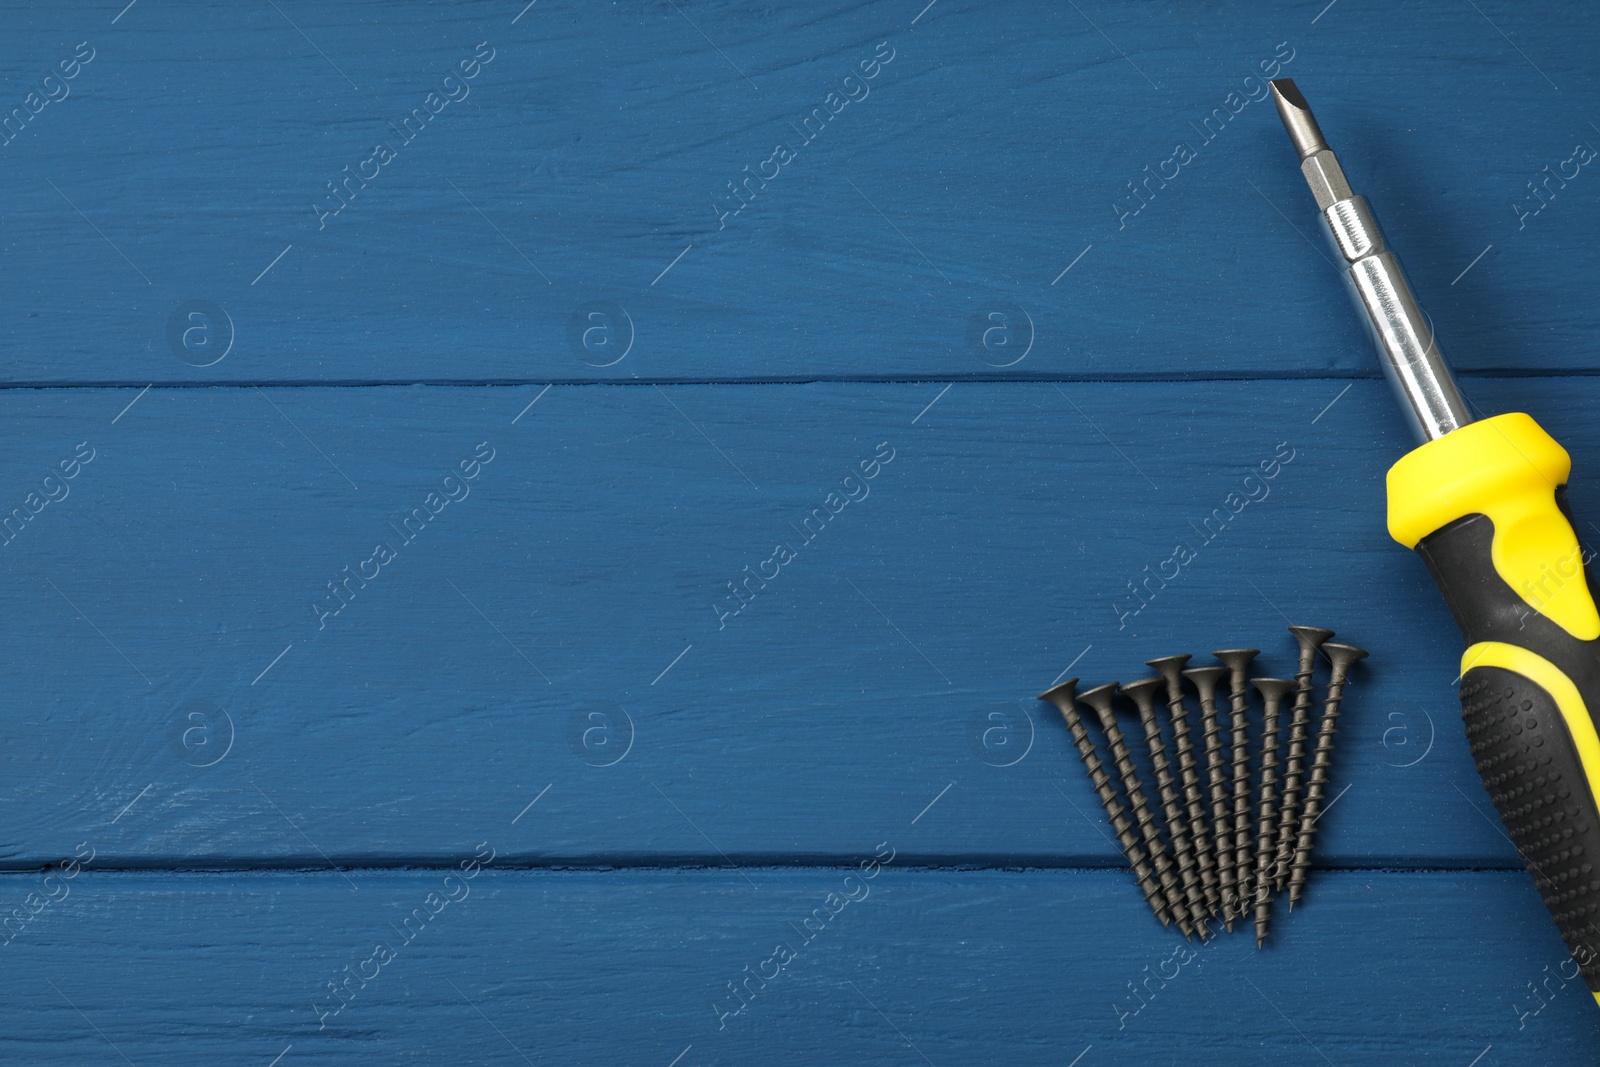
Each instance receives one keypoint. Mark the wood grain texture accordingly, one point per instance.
(584, 159)
(178, 597)
(536, 387)
(925, 966)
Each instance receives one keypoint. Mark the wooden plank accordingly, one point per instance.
(578, 172)
(567, 624)
(634, 967)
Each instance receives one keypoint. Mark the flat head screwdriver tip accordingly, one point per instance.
(1297, 118)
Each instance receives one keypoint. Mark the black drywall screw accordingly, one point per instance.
(1272, 690)
(1171, 670)
(1064, 697)
(1102, 700)
(1143, 695)
(1205, 679)
(1343, 658)
(1237, 660)
(1310, 639)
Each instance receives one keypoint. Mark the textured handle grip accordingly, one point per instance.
(1527, 688)
(1529, 762)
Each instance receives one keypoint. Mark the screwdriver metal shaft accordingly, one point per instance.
(1411, 359)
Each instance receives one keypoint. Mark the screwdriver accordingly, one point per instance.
(1484, 504)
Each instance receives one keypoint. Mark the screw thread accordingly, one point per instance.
(1242, 841)
(1321, 759)
(1148, 827)
(1237, 663)
(1294, 768)
(1300, 867)
(1272, 693)
(1211, 732)
(1177, 828)
(1194, 802)
(1115, 814)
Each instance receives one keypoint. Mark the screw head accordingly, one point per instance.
(1343, 657)
(1273, 690)
(1167, 666)
(1099, 698)
(1063, 695)
(1143, 692)
(1205, 679)
(1237, 660)
(1171, 671)
(1310, 637)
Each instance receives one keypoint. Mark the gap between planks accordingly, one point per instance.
(886, 379)
(707, 866)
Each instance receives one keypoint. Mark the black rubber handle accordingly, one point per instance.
(1525, 744)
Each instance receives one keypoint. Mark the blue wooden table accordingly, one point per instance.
(531, 531)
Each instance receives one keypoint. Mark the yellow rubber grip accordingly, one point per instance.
(1508, 469)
